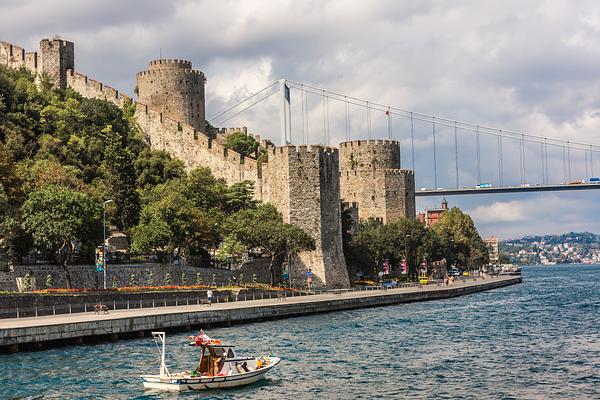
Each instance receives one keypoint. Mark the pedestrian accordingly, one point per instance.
(209, 296)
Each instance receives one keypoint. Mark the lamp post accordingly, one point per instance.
(408, 269)
(104, 239)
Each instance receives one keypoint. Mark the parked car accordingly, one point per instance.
(453, 272)
(390, 284)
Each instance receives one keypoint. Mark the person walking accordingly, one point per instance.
(209, 296)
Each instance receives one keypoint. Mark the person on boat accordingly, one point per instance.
(202, 338)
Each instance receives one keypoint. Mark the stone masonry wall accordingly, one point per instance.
(85, 276)
(371, 179)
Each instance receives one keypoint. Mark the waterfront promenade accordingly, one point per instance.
(47, 331)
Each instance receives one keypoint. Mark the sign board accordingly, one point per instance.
(309, 274)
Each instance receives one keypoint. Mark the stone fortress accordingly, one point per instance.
(307, 184)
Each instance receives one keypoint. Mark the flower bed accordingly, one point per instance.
(262, 286)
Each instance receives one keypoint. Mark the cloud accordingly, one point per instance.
(528, 67)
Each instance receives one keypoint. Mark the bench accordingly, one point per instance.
(98, 308)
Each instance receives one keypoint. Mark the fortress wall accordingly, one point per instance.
(303, 183)
(93, 89)
(15, 57)
(194, 148)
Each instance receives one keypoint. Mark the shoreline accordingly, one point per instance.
(38, 333)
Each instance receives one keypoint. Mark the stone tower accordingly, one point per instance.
(54, 59)
(175, 89)
(303, 183)
(371, 179)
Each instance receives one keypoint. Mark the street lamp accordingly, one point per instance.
(408, 269)
(104, 239)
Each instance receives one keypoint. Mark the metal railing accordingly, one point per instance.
(27, 312)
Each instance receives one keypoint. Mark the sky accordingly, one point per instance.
(529, 66)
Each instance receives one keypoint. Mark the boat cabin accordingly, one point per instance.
(221, 360)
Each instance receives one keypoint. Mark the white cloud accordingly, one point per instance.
(526, 66)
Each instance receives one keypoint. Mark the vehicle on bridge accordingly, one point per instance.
(594, 180)
(582, 182)
(484, 186)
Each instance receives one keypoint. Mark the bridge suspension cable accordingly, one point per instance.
(522, 140)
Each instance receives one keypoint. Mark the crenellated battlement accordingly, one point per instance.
(291, 149)
(92, 88)
(358, 143)
(398, 172)
(185, 64)
(156, 72)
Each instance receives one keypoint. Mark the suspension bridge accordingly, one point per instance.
(450, 157)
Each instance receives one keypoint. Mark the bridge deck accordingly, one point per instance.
(506, 189)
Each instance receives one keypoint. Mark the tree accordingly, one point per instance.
(119, 175)
(464, 246)
(240, 196)
(264, 228)
(242, 143)
(59, 219)
(153, 167)
(232, 251)
(204, 190)
(182, 227)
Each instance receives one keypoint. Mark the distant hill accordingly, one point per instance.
(568, 248)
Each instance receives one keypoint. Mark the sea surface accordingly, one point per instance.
(536, 340)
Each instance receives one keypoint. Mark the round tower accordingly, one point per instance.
(368, 155)
(175, 89)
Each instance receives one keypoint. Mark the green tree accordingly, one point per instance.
(119, 175)
(59, 219)
(243, 144)
(181, 227)
(463, 245)
(232, 251)
(240, 196)
(153, 167)
(204, 190)
(264, 228)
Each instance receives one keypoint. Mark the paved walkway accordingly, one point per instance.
(50, 320)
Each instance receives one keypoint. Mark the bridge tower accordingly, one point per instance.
(175, 89)
(372, 180)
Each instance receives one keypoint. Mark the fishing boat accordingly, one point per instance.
(218, 367)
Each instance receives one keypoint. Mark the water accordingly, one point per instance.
(537, 340)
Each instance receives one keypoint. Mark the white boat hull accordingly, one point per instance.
(174, 383)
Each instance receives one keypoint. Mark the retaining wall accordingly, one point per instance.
(147, 274)
(154, 319)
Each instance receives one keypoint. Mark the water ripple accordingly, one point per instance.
(537, 340)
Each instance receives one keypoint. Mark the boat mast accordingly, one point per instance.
(163, 367)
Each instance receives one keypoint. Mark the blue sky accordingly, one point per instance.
(529, 66)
